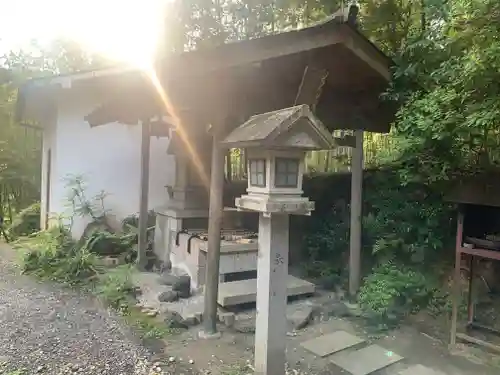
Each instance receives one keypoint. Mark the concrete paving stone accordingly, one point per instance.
(331, 343)
(366, 361)
(420, 370)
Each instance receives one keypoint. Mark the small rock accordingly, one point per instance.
(354, 309)
(51, 316)
(174, 320)
(168, 279)
(227, 318)
(165, 266)
(301, 317)
(168, 296)
(183, 286)
(39, 369)
(171, 359)
(152, 313)
(192, 320)
(110, 261)
(340, 293)
(338, 309)
(245, 325)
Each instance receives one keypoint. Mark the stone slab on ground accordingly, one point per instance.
(420, 370)
(299, 315)
(366, 361)
(245, 291)
(331, 343)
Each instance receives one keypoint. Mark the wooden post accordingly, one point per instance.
(214, 232)
(229, 166)
(356, 212)
(455, 298)
(143, 205)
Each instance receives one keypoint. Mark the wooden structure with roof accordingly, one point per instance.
(477, 240)
(330, 66)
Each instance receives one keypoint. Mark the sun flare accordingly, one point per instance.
(123, 30)
(127, 31)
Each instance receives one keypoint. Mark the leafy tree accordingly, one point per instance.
(20, 147)
(449, 120)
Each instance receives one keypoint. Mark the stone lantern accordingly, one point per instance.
(276, 144)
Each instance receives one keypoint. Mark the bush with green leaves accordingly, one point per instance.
(53, 254)
(327, 243)
(393, 291)
(409, 223)
(107, 244)
(132, 221)
(26, 222)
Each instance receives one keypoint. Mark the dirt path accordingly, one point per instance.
(46, 329)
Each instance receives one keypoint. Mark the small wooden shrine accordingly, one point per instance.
(477, 240)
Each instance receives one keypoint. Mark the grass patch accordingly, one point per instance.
(53, 255)
(115, 287)
(148, 327)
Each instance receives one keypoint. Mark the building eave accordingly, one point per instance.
(36, 93)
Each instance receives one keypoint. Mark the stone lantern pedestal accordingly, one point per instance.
(276, 144)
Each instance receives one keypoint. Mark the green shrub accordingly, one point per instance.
(410, 223)
(132, 221)
(393, 291)
(26, 222)
(105, 243)
(115, 287)
(52, 254)
(327, 244)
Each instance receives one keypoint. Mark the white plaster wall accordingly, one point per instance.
(107, 156)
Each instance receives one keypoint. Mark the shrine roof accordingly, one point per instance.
(242, 78)
(273, 128)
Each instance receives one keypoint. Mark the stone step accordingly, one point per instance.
(365, 361)
(245, 291)
(325, 345)
(420, 370)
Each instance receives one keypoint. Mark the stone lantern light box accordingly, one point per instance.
(276, 144)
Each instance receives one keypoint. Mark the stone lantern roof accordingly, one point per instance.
(291, 128)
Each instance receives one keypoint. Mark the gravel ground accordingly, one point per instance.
(45, 329)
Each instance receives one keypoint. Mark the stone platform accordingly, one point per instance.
(245, 291)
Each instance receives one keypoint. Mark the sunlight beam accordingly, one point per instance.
(180, 128)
